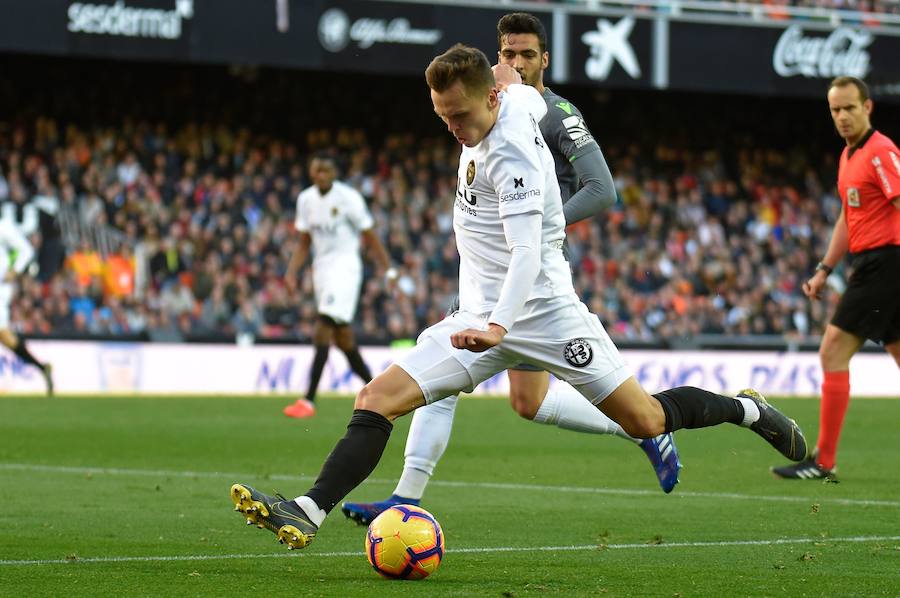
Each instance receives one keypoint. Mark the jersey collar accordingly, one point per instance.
(860, 143)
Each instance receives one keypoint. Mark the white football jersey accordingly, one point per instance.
(509, 172)
(334, 221)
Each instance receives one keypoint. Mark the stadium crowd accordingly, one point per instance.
(705, 238)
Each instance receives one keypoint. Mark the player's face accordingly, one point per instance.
(322, 173)
(522, 51)
(849, 112)
(469, 115)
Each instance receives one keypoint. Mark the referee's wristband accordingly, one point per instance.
(825, 267)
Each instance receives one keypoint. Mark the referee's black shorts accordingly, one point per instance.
(870, 307)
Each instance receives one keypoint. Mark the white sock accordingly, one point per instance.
(751, 411)
(312, 510)
(567, 408)
(429, 434)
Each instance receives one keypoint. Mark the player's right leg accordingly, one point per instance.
(296, 522)
(432, 370)
(428, 437)
(323, 336)
(531, 397)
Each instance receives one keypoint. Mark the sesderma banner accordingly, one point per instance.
(609, 48)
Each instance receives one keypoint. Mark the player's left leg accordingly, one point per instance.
(531, 397)
(343, 338)
(569, 341)
(644, 416)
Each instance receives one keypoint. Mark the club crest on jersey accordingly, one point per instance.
(578, 352)
(853, 197)
(334, 211)
(470, 172)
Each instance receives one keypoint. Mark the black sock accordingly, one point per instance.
(22, 351)
(315, 373)
(691, 407)
(357, 364)
(353, 458)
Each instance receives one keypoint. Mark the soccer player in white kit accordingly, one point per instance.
(587, 189)
(332, 218)
(15, 255)
(517, 304)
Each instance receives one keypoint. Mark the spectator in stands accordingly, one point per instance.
(118, 273)
(86, 264)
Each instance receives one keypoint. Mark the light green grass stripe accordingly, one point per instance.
(234, 477)
(581, 548)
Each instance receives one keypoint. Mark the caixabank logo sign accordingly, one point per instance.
(162, 20)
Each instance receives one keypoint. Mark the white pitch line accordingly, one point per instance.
(580, 548)
(444, 483)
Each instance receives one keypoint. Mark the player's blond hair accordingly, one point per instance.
(460, 63)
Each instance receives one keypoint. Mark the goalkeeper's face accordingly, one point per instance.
(468, 113)
(522, 51)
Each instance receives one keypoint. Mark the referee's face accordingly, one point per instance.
(522, 51)
(849, 113)
(469, 114)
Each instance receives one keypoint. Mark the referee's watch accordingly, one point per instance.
(823, 266)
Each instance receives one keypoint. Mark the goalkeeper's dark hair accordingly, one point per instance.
(521, 22)
(855, 81)
(460, 63)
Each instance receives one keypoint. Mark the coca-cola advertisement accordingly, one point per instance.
(841, 52)
(790, 59)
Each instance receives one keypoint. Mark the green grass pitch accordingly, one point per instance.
(129, 497)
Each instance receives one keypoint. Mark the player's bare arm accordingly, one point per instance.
(837, 247)
(380, 256)
(298, 258)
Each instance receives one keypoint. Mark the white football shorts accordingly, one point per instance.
(337, 285)
(558, 335)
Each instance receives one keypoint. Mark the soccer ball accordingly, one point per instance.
(405, 542)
